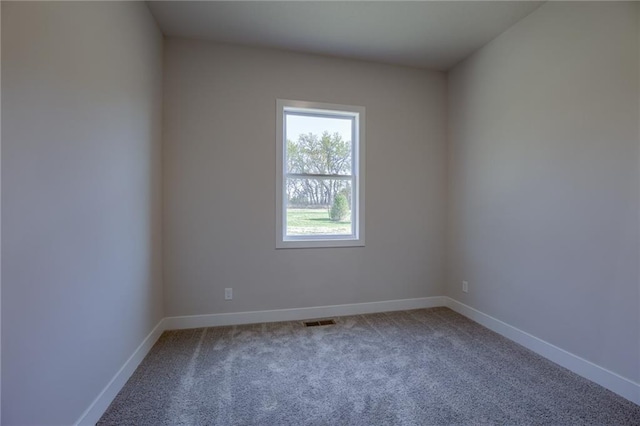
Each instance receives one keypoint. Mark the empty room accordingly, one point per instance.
(320, 213)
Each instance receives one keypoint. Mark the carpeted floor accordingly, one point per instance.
(420, 367)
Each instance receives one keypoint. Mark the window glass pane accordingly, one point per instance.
(318, 145)
(318, 206)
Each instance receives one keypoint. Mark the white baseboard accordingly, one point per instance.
(213, 320)
(104, 399)
(608, 379)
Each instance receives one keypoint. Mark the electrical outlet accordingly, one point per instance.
(465, 286)
(228, 294)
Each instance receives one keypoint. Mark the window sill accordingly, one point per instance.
(324, 243)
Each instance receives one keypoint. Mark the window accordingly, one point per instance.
(320, 175)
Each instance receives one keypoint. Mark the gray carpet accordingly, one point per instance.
(420, 367)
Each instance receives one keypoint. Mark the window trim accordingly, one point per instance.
(358, 172)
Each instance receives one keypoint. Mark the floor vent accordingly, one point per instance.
(318, 323)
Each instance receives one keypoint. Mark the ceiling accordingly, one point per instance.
(429, 34)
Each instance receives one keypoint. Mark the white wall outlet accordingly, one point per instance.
(228, 294)
(465, 286)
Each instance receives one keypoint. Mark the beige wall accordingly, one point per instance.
(0, 223)
(544, 180)
(219, 181)
(81, 115)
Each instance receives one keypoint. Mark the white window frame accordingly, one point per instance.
(358, 170)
